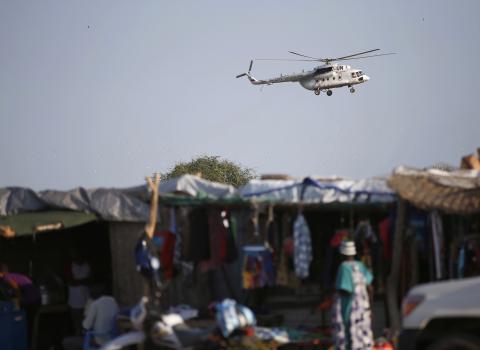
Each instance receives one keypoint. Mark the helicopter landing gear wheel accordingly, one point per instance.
(329, 92)
(317, 92)
(352, 90)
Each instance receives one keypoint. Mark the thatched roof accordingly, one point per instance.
(456, 191)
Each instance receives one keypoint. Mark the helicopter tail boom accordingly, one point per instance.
(252, 79)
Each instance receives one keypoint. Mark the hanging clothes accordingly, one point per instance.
(338, 237)
(330, 260)
(282, 269)
(365, 240)
(302, 247)
(472, 258)
(258, 269)
(271, 238)
(461, 262)
(384, 228)
(437, 240)
(222, 242)
(164, 241)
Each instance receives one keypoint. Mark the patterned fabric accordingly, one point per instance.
(231, 316)
(258, 270)
(279, 335)
(353, 329)
(302, 247)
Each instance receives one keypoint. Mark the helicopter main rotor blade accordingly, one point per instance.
(284, 59)
(250, 68)
(358, 58)
(355, 54)
(299, 54)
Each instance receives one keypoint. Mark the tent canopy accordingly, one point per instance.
(320, 191)
(41, 221)
(132, 204)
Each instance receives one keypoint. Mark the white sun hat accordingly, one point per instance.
(348, 248)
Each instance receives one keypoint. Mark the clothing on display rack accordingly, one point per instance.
(302, 247)
(370, 251)
(222, 246)
(164, 241)
(385, 235)
(438, 243)
(258, 268)
(329, 261)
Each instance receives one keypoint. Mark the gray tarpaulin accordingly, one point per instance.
(111, 204)
(15, 200)
(108, 203)
(132, 204)
(195, 186)
(318, 191)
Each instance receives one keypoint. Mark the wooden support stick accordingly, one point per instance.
(393, 279)
(153, 185)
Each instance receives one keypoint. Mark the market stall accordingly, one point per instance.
(437, 235)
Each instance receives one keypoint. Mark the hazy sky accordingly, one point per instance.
(102, 93)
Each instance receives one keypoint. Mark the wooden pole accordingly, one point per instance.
(393, 279)
(153, 185)
(152, 223)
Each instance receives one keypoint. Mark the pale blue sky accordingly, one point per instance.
(102, 93)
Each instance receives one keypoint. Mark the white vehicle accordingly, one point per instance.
(321, 78)
(442, 316)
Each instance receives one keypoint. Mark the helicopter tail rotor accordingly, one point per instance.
(250, 77)
(248, 73)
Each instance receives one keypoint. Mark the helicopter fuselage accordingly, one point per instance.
(332, 76)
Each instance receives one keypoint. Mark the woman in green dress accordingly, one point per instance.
(351, 308)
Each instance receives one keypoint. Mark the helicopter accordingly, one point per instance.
(322, 78)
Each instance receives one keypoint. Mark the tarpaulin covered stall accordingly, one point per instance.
(126, 210)
(437, 222)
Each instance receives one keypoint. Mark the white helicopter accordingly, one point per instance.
(321, 78)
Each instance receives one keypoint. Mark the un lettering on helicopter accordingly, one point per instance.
(321, 78)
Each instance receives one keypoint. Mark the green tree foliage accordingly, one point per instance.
(213, 168)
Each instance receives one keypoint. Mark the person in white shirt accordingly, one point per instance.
(100, 313)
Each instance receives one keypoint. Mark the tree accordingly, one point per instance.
(213, 168)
